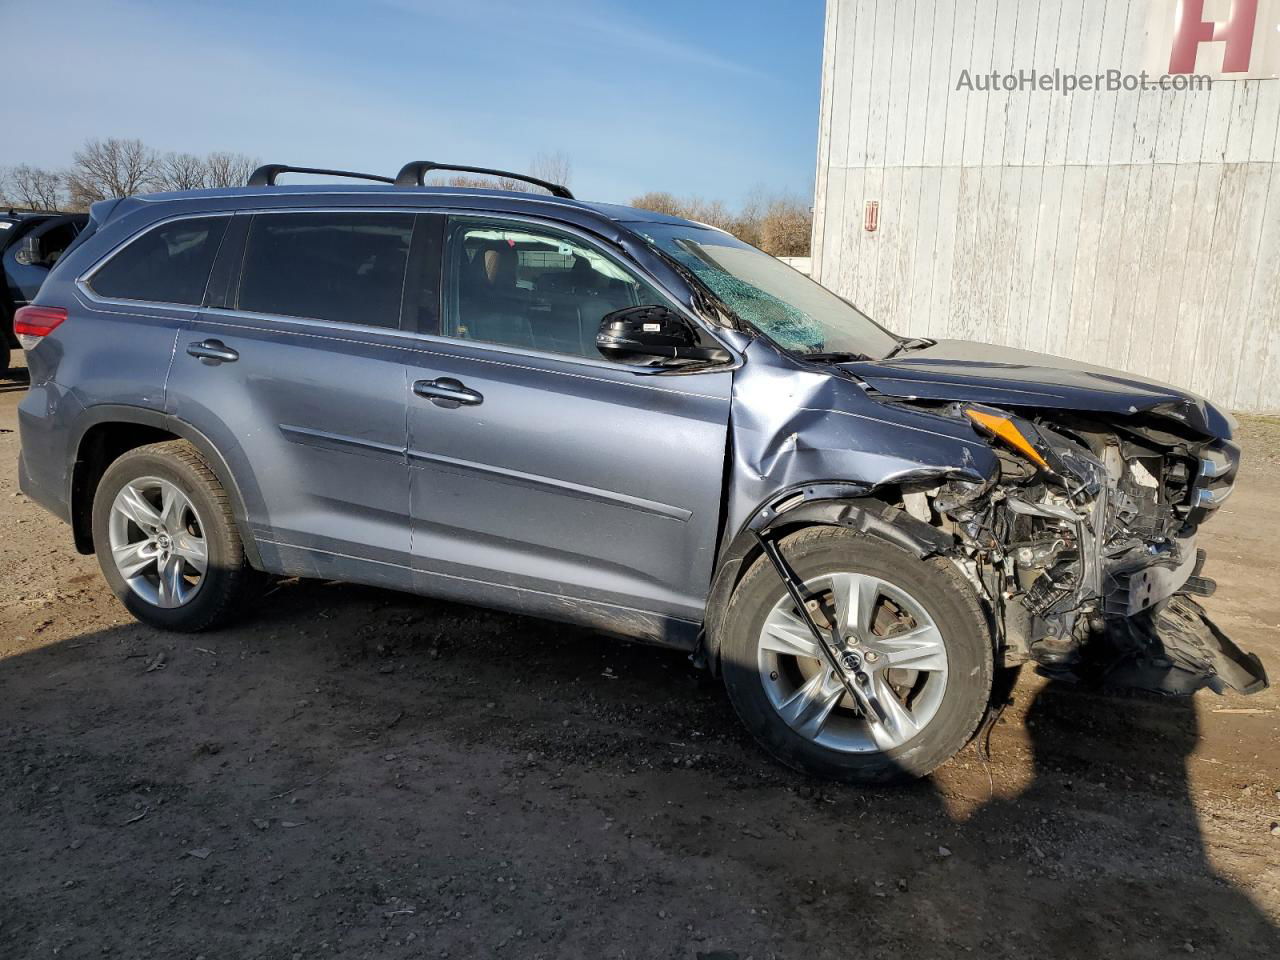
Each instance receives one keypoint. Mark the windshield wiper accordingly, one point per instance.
(911, 343)
(835, 356)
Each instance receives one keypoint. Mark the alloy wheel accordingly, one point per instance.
(157, 542)
(888, 637)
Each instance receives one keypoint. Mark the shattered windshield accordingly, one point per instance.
(783, 304)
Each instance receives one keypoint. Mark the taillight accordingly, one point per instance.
(33, 324)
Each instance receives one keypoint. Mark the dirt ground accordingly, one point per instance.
(356, 773)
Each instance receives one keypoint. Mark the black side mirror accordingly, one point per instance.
(652, 332)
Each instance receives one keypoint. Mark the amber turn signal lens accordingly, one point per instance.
(1006, 430)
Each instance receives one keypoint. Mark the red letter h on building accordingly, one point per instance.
(1190, 30)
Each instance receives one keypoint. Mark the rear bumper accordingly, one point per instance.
(44, 418)
(41, 493)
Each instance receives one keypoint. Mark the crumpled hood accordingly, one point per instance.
(1008, 377)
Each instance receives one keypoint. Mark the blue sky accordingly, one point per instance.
(711, 98)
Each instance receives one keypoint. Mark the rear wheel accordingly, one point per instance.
(913, 628)
(167, 541)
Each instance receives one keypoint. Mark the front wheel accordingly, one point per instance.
(913, 628)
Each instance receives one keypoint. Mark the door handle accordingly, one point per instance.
(212, 351)
(447, 392)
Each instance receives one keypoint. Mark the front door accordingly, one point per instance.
(544, 477)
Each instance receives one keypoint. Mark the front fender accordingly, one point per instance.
(808, 445)
(795, 423)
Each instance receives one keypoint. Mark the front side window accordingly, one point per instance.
(168, 264)
(523, 286)
(786, 306)
(344, 267)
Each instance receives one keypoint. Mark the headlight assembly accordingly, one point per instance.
(1017, 433)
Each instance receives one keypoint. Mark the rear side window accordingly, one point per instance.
(168, 264)
(345, 267)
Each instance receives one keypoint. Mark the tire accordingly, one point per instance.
(4, 356)
(193, 600)
(948, 637)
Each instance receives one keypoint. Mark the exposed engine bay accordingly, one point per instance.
(1084, 546)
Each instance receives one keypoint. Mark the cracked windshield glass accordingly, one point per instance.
(783, 304)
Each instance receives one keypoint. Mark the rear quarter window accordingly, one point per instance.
(167, 264)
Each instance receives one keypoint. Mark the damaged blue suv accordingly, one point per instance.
(619, 419)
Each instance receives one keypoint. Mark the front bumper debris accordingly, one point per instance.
(1178, 650)
(1130, 590)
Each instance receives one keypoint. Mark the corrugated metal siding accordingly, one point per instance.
(1139, 229)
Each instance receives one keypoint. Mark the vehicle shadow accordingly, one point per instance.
(365, 773)
(1108, 832)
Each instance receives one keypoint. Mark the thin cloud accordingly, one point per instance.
(570, 24)
(370, 90)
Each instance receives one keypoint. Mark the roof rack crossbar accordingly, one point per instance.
(265, 175)
(414, 174)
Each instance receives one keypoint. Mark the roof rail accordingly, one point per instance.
(414, 174)
(265, 175)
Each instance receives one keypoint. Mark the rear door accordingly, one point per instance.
(544, 477)
(130, 305)
(296, 370)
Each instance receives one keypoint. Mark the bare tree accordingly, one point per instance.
(484, 182)
(111, 168)
(32, 188)
(81, 193)
(711, 212)
(224, 169)
(554, 167)
(786, 227)
(659, 201)
(747, 222)
(179, 171)
(779, 224)
(467, 180)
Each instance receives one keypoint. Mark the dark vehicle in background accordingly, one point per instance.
(30, 244)
(624, 420)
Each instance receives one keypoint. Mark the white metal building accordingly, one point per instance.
(1136, 228)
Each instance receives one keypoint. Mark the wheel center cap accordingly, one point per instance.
(851, 660)
(163, 541)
